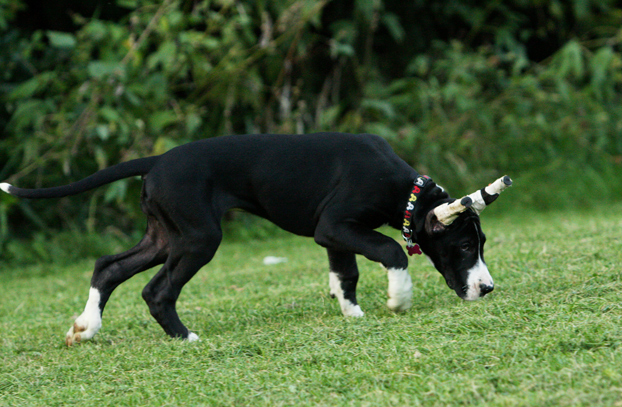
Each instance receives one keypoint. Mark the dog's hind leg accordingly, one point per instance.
(110, 271)
(190, 250)
(343, 276)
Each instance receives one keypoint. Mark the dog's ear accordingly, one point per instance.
(448, 212)
(432, 225)
(487, 195)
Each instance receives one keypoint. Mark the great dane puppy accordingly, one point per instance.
(337, 188)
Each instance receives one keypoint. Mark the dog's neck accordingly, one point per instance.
(408, 225)
(424, 195)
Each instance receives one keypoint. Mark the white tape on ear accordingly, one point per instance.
(448, 212)
(478, 201)
(494, 189)
(499, 185)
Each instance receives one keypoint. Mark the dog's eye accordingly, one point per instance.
(465, 247)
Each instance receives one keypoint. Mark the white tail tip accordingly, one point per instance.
(5, 187)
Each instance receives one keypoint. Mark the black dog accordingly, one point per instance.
(336, 188)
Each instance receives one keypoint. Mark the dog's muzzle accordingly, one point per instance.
(485, 289)
(479, 282)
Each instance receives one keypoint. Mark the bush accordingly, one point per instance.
(466, 119)
(464, 92)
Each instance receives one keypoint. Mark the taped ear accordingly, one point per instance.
(477, 201)
(487, 195)
(448, 212)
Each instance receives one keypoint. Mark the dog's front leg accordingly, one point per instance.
(343, 276)
(353, 237)
(400, 290)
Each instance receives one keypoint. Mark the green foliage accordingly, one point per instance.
(64, 247)
(464, 92)
(8, 10)
(465, 120)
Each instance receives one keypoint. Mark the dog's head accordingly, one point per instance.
(453, 240)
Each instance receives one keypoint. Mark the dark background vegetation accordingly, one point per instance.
(464, 90)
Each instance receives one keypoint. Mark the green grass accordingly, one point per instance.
(550, 334)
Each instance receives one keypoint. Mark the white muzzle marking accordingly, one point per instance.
(478, 276)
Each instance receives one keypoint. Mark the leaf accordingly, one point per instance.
(116, 191)
(163, 144)
(382, 130)
(132, 98)
(131, 4)
(28, 88)
(366, 8)
(193, 122)
(338, 48)
(61, 40)
(383, 107)
(344, 31)
(25, 90)
(96, 30)
(392, 23)
(101, 157)
(571, 60)
(420, 65)
(102, 69)
(600, 64)
(159, 120)
(110, 114)
(165, 56)
(328, 117)
(102, 131)
(27, 113)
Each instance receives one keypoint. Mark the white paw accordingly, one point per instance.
(351, 310)
(399, 304)
(192, 337)
(82, 330)
(400, 290)
(88, 323)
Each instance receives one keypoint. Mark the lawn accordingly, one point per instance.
(550, 333)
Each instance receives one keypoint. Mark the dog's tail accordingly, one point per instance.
(126, 169)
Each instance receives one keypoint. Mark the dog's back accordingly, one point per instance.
(269, 174)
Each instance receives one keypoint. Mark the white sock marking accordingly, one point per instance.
(192, 337)
(347, 308)
(5, 187)
(89, 322)
(400, 289)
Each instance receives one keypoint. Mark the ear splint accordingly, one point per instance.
(477, 201)
(487, 195)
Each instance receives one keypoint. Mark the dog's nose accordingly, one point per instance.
(485, 289)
